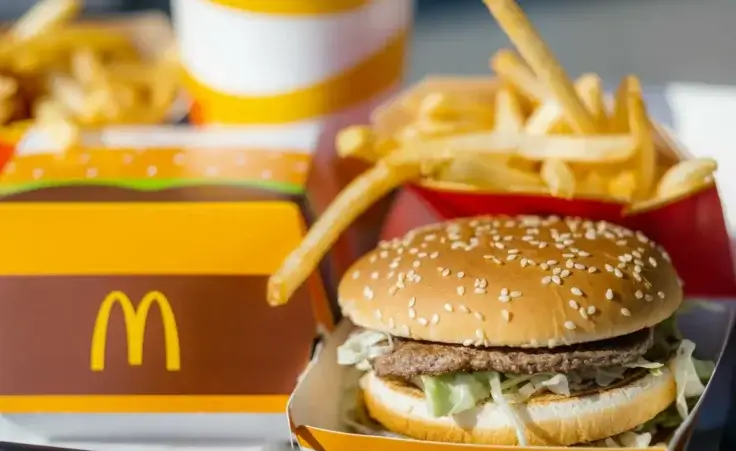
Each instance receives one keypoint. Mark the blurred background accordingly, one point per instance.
(661, 40)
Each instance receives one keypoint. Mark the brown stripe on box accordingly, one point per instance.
(230, 341)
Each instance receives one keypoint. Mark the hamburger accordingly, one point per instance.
(519, 330)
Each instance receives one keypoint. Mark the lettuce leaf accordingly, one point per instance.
(362, 346)
(689, 383)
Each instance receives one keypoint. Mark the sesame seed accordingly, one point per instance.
(568, 242)
(637, 276)
(464, 309)
(617, 272)
(583, 254)
(660, 294)
(446, 272)
(621, 265)
(393, 290)
(560, 246)
(434, 255)
(569, 264)
(356, 274)
(467, 342)
(505, 315)
(412, 302)
(592, 269)
(556, 271)
(625, 312)
(504, 291)
(565, 273)
(568, 255)
(435, 319)
(557, 280)
(393, 265)
(416, 264)
(576, 291)
(423, 321)
(648, 297)
(479, 333)
(542, 245)
(609, 294)
(460, 274)
(461, 290)
(544, 266)
(524, 262)
(412, 313)
(583, 313)
(551, 262)
(638, 294)
(579, 266)
(608, 267)
(449, 308)
(378, 314)
(511, 257)
(591, 310)
(504, 298)
(480, 290)
(653, 262)
(374, 275)
(569, 325)
(479, 315)
(621, 243)
(513, 251)
(368, 293)
(573, 304)
(515, 294)
(499, 245)
(546, 280)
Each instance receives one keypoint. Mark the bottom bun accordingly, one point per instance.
(549, 420)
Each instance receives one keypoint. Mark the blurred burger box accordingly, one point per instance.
(703, 260)
(185, 222)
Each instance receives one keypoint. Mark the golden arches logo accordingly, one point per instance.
(135, 327)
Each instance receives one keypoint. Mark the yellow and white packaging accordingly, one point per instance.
(290, 61)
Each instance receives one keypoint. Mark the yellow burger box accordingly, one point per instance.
(133, 306)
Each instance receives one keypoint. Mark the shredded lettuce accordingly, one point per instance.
(360, 347)
(503, 404)
(688, 382)
(628, 439)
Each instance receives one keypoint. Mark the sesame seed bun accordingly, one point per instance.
(549, 420)
(521, 281)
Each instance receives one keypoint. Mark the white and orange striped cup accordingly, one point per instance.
(290, 61)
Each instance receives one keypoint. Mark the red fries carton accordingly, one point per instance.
(135, 284)
(691, 227)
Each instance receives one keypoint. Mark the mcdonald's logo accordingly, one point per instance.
(135, 327)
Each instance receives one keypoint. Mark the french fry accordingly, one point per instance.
(686, 176)
(488, 173)
(355, 199)
(623, 186)
(590, 89)
(42, 17)
(536, 53)
(547, 117)
(356, 142)
(87, 68)
(559, 178)
(646, 156)
(509, 116)
(619, 122)
(507, 65)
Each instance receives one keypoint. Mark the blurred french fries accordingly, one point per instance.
(64, 76)
(538, 133)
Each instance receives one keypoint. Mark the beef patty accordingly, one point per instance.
(411, 358)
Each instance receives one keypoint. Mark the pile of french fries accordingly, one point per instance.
(64, 76)
(542, 133)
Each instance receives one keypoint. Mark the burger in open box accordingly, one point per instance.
(501, 330)
(516, 329)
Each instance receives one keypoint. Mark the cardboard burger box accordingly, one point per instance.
(134, 299)
(691, 228)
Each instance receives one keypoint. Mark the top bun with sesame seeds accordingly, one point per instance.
(513, 281)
